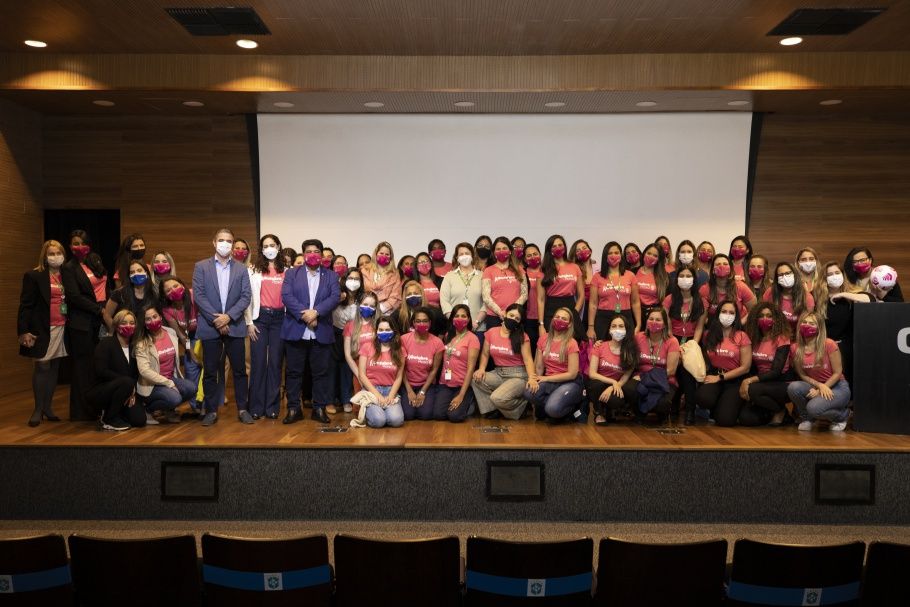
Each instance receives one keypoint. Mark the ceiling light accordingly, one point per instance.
(646, 103)
(103, 102)
(283, 104)
(792, 41)
(374, 104)
(464, 104)
(247, 43)
(35, 43)
(193, 103)
(738, 102)
(555, 104)
(831, 102)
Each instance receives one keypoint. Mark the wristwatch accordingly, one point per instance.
(720, 374)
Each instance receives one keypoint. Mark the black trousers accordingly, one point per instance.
(629, 398)
(214, 351)
(110, 398)
(319, 356)
(766, 399)
(723, 399)
(82, 351)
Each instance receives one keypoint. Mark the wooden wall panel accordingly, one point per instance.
(21, 229)
(833, 182)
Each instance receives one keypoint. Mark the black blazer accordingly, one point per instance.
(35, 312)
(110, 363)
(83, 312)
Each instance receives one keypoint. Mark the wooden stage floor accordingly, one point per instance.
(523, 434)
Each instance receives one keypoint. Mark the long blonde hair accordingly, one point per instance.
(359, 320)
(817, 342)
(375, 268)
(570, 331)
(42, 257)
(819, 281)
(405, 311)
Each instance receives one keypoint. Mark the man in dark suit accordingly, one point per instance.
(310, 292)
(221, 292)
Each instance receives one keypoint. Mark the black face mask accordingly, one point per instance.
(512, 324)
(137, 253)
(483, 252)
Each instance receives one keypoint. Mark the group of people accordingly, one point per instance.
(499, 327)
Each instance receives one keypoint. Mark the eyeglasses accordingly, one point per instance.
(863, 260)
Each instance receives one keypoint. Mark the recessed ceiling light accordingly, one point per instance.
(792, 41)
(35, 43)
(555, 104)
(464, 104)
(831, 102)
(193, 103)
(374, 104)
(103, 102)
(738, 102)
(283, 104)
(646, 103)
(247, 43)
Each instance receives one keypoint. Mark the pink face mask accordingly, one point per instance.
(326, 262)
(408, 271)
(502, 256)
(81, 251)
(312, 260)
(560, 325)
(438, 254)
(383, 259)
(765, 324)
(655, 326)
(424, 267)
(126, 330)
(583, 255)
(533, 263)
(721, 271)
(162, 268)
(176, 294)
(341, 269)
(650, 260)
(704, 256)
(460, 324)
(632, 257)
(756, 274)
(613, 259)
(422, 327)
(519, 252)
(808, 331)
(862, 268)
(737, 252)
(666, 249)
(153, 325)
(240, 254)
(557, 252)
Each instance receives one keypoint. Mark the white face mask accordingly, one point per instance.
(686, 258)
(726, 319)
(835, 281)
(55, 261)
(270, 252)
(352, 285)
(786, 280)
(465, 260)
(807, 266)
(618, 334)
(685, 282)
(223, 248)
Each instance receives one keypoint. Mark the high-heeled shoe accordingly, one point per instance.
(35, 419)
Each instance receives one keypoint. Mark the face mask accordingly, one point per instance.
(153, 325)
(756, 274)
(835, 281)
(862, 268)
(414, 300)
(270, 253)
(618, 334)
(666, 249)
(650, 261)
(685, 258)
(326, 262)
(352, 285)
(138, 279)
(367, 311)
(483, 252)
(55, 261)
(704, 256)
(162, 268)
(786, 280)
(534, 262)
(726, 319)
(807, 266)
(424, 267)
(341, 269)
(312, 260)
(765, 324)
(460, 324)
(223, 248)
(81, 251)
(240, 254)
(560, 324)
(685, 282)
(655, 326)
(137, 253)
(126, 330)
(512, 324)
(613, 259)
(176, 294)
(722, 271)
(583, 255)
(383, 259)
(465, 260)
(518, 251)
(502, 256)
(557, 252)
(737, 252)
(385, 337)
(438, 254)
(808, 331)
(632, 258)
(422, 327)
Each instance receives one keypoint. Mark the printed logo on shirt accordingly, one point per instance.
(609, 365)
(277, 279)
(500, 349)
(385, 364)
(724, 353)
(420, 360)
(567, 277)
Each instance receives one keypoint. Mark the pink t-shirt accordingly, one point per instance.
(430, 291)
(57, 298)
(167, 355)
(505, 287)
(743, 295)
(99, 284)
(677, 325)
(270, 292)
(608, 363)
(786, 306)
(366, 332)
(443, 269)
(419, 359)
(501, 349)
(823, 372)
(763, 353)
(739, 270)
(455, 359)
(172, 314)
(382, 371)
(566, 281)
(614, 293)
(534, 276)
(650, 357)
(552, 364)
(726, 355)
(647, 288)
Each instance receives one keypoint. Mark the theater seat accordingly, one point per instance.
(886, 566)
(423, 572)
(782, 574)
(273, 572)
(548, 574)
(139, 573)
(630, 574)
(35, 571)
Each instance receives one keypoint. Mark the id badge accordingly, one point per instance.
(448, 375)
(465, 301)
(63, 309)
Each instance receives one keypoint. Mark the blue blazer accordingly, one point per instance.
(207, 298)
(295, 293)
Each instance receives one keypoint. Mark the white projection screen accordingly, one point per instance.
(354, 180)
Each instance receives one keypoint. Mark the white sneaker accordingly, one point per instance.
(117, 425)
(839, 426)
(348, 408)
(805, 426)
(150, 420)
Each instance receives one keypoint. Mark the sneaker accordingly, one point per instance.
(115, 424)
(209, 418)
(839, 426)
(805, 426)
(150, 419)
(348, 407)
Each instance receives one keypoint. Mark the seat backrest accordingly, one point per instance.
(782, 574)
(135, 572)
(548, 574)
(422, 572)
(886, 566)
(241, 571)
(632, 574)
(35, 571)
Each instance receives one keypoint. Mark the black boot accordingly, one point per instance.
(690, 416)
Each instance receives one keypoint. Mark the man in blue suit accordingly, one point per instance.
(310, 293)
(221, 292)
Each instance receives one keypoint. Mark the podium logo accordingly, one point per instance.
(903, 340)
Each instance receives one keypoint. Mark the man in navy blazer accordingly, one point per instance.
(221, 292)
(310, 293)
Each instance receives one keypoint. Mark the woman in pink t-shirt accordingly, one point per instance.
(581, 254)
(652, 277)
(380, 370)
(657, 348)
(160, 381)
(740, 252)
(728, 354)
(557, 394)
(722, 286)
(423, 357)
(503, 283)
(613, 291)
(429, 280)
(532, 261)
(788, 293)
(687, 323)
(561, 286)
(766, 386)
(179, 313)
(610, 386)
(757, 275)
(360, 330)
(822, 393)
(500, 392)
(437, 252)
(453, 398)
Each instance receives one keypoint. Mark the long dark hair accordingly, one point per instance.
(604, 266)
(394, 345)
(517, 337)
(489, 261)
(628, 349)
(129, 297)
(92, 260)
(780, 326)
(714, 332)
(548, 266)
(661, 278)
(351, 296)
(797, 291)
(141, 332)
(624, 265)
(125, 256)
(450, 332)
(851, 274)
(517, 270)
(749, 250)
(437, 279)
(696, 308)
(167, 303)
(730, 289)
(679, 265)
(262, 264)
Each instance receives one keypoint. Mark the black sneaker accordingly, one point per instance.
(115, 424)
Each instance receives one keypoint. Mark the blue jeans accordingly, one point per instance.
(163, 397)
(391, 416)
(266, 356)
(558, 401)
(425, 411)
(440, 398)
(834, 410)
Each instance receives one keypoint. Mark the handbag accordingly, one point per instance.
(693, 360)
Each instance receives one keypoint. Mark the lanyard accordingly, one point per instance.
(453, 346)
